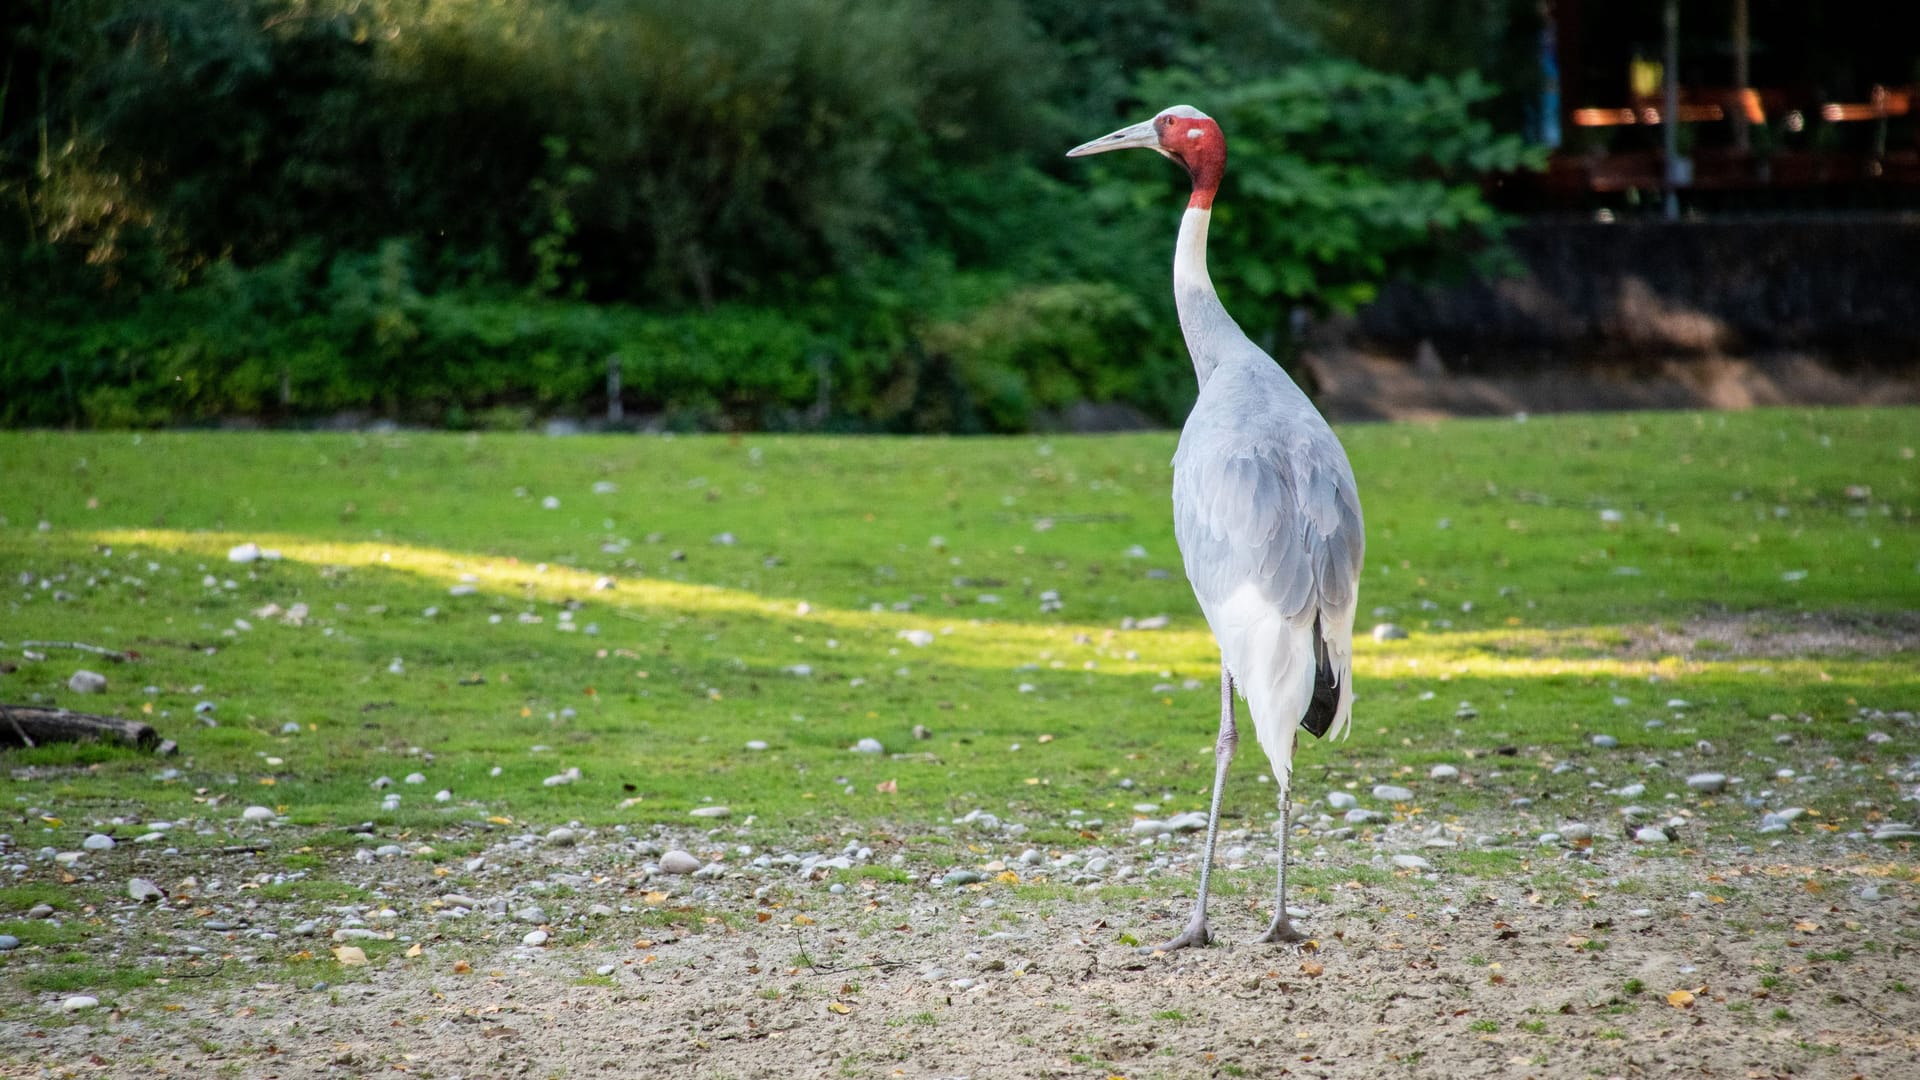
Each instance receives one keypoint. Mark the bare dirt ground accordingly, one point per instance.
(1703, 960)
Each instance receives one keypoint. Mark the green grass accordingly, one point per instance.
(1516, 605)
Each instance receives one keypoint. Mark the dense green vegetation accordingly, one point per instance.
(682, 597)
(812, 214)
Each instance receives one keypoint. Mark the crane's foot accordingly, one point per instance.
(1282, 931)
(1197, 935)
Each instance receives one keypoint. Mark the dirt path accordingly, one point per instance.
(1799, 961)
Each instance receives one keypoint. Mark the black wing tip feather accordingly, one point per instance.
(1326, 689)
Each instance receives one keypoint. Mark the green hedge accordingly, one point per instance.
(945, 351)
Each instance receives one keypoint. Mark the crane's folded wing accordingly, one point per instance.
(1285, 520)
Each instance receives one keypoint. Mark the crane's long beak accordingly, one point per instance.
(1141, 135)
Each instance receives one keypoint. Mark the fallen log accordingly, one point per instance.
(31, 725)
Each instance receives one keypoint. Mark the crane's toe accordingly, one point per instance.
(1282, 931)
(1197, 935)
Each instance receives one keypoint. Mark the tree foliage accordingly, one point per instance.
(431, 208)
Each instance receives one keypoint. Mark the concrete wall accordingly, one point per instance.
(1843, 290)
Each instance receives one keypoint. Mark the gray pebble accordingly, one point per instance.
(98, 842)
(961, 877)
(8, 943)
(1708, 783)
(1387, 631)
(562, 837)
(143, 890)
(40, 911)
(1605, 742)
(87, 682)
(606, 969)
(1575, 830)
(1650, 834)
(710, 811)
(1411, 862)
(535, 938)
(1342, 800)
(1392, 793)
(1443, 772)
(679, 862)
(79, 1003)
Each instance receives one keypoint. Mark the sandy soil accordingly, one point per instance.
(1794, 957)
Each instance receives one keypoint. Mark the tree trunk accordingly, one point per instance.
(32, 725)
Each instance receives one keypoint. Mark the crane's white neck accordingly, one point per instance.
(1203, 319)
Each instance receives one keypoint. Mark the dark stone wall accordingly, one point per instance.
(1846, 290)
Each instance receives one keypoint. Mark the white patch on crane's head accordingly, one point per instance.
(1194, 133)
(1185, 112)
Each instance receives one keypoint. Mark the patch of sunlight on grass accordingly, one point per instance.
(970, 642)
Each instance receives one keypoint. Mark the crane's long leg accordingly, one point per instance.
(1197, 931)
(1282, 929)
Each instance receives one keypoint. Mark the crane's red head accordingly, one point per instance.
(1182, 133)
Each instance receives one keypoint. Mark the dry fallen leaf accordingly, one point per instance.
(416, 950)
(835, 1006)
(1680, 999)
(887, 787)
(802, 920)
(461, 967)
(350, 955)
(1806, 927)
(1312, 968)
(1007, 877)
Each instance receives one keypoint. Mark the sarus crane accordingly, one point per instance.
(1266, 514)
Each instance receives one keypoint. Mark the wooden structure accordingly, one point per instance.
(1725, 99)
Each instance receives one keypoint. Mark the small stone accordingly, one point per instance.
(415, 778)
(1708, 783)
(563, 837)
(143, 890)
(922, 732)
(756, 744)
(869, 746)
(1392, 793)
(606, 969)
(1191, 821)
(1874, 737)
(1411, 862)
(710, 811)
(1631, 791)
(1342, 800)
(306, 929)
(1576, 831)
(1359, 816)
(87, 682)
(248, 552)
(1894, 831)
(79, 1003)
(443, 795)
(1443, 772)
(1650, 834)
(98, 842)
(1387, 631)
(1148, 827)
(679, 862)
(256, 813)
(961, 877)
(1605, 742)
(356, 933)
(599, 911)
(534, 939)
